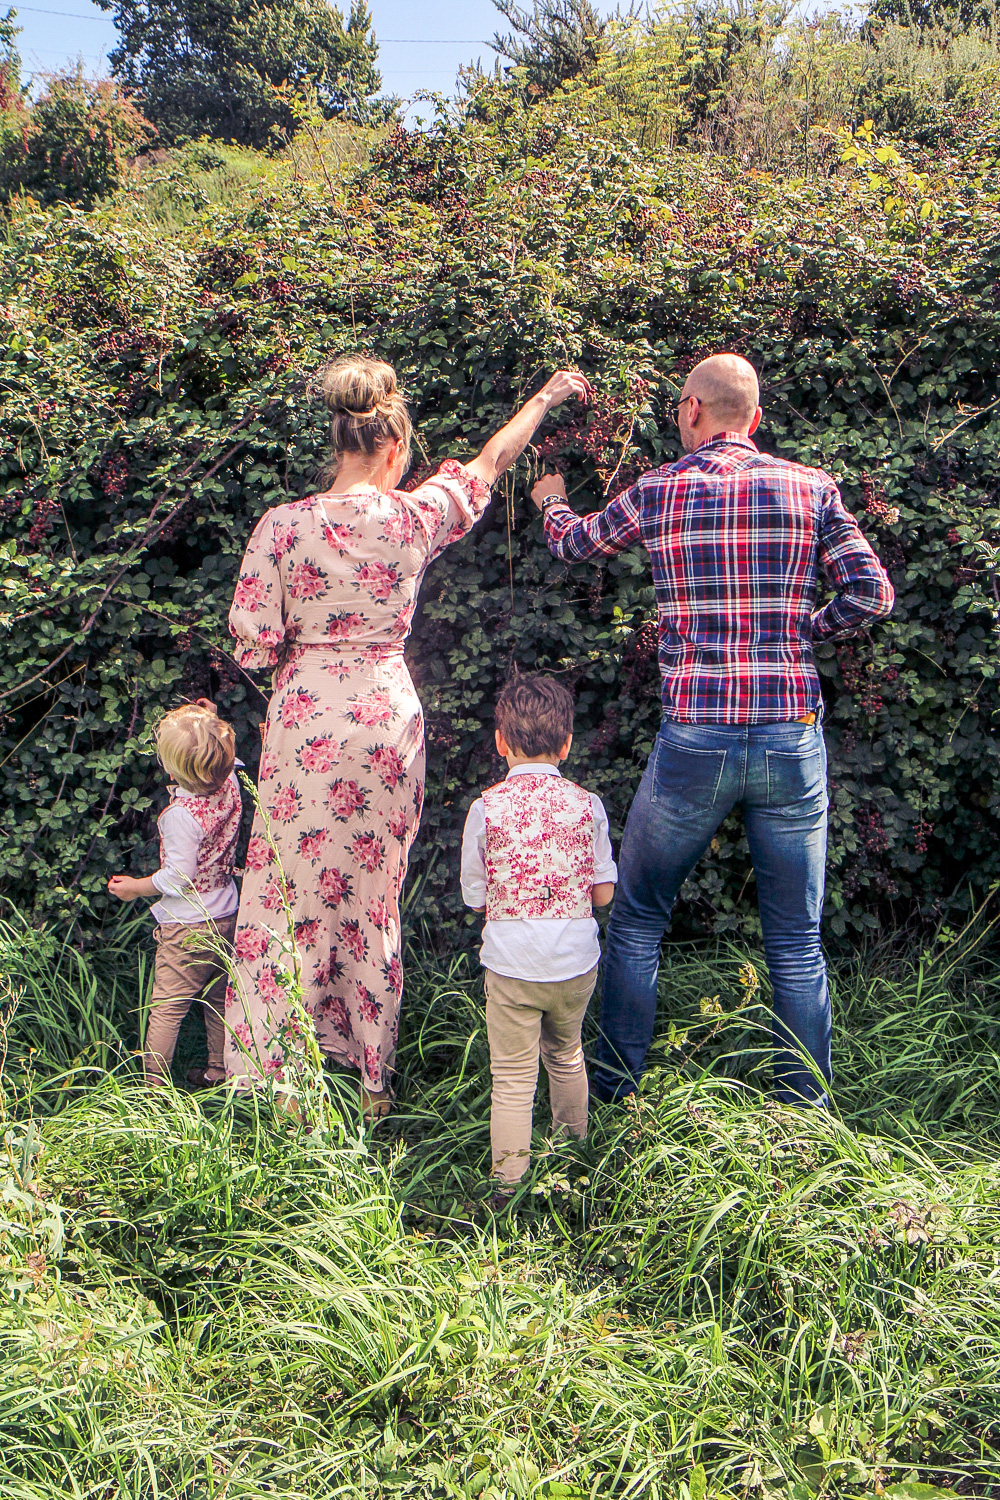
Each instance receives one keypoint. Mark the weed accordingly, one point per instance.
(711, 1296)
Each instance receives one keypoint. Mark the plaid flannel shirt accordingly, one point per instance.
(737, 540)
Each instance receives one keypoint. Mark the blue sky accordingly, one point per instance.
(422, 42)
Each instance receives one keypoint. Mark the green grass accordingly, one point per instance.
(710, 1297)
(204, 177)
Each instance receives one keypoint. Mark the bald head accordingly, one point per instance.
(728, 398)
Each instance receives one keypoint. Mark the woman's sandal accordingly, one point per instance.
(199, 1078)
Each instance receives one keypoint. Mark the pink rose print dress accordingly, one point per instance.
(326, 595)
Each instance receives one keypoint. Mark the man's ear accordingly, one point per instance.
(694, 410)
(755, 423)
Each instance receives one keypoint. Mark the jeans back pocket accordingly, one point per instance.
(795, 777)
(686, 778)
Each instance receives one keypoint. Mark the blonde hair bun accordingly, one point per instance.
(358, 387)
(368, 410)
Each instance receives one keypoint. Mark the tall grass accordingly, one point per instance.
(710, 1296)
(177, 191)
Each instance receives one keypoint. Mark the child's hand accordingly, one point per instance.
(206, 703)
(124, 887)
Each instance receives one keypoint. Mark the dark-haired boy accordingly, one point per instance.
(536, 857)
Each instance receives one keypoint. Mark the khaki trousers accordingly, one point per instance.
(525, 1017)
(188, 969)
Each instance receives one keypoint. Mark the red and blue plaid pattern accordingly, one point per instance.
(738, 541)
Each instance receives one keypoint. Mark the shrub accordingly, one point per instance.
(770, 86)
(76, 142)
(154, 406)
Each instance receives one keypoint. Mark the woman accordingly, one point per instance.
(326, 595)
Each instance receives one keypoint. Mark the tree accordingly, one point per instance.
(11, 88)
(231, 68)
(555, 40)
(931, 15)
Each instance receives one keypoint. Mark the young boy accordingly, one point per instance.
(198, 896)
(536, 857)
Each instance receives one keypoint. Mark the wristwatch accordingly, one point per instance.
(549, 500)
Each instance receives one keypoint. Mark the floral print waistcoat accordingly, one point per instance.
(219, 815)
(539, 849)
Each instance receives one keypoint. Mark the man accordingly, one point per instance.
(737, 541)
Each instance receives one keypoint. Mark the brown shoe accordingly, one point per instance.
(374, 1106)
(203, 1078)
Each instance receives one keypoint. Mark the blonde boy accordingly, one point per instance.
(198, 896)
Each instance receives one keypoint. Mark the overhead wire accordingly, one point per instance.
(409, 41)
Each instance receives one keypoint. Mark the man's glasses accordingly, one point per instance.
(675, 412)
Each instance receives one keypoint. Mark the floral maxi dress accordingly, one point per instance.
(326, 595)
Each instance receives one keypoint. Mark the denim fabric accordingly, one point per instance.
(695, 776)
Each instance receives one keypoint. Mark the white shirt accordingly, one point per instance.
(540, 948)
(180, 839)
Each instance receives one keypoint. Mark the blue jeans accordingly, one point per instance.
(697, 774)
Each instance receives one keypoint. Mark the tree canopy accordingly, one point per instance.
(554, 41)
(231, 68)
(10, 63)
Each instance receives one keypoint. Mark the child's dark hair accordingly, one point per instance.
(534, 714)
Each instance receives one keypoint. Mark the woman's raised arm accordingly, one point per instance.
(507, 444)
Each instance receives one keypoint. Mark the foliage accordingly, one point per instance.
(921, 15)
(771, 86)
(233, 69)
(554, 41)
(11, 88)
(710, 1297)
(75, 142)
(154, 405)
(180, 186)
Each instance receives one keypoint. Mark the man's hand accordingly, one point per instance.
(549, 484)
(124, 887)
(563, 384)
(206, 703)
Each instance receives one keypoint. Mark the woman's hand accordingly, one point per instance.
(549, 484)
(511, 441)
(563, 384)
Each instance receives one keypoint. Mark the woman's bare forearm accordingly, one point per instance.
(510, 442)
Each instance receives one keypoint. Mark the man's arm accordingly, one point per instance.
(576, 538)
(861, 584)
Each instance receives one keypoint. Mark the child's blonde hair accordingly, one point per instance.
(195, 747)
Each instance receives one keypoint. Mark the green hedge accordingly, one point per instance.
(155, 402)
